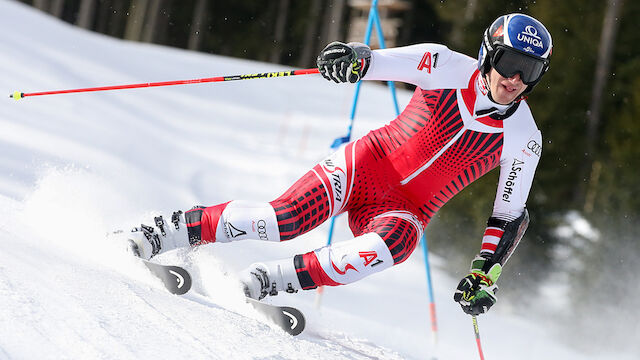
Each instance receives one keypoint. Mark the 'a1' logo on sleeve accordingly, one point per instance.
(426, 62)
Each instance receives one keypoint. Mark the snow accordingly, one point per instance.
(75, 167)
(574, 227)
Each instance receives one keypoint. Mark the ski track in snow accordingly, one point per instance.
(75, 167)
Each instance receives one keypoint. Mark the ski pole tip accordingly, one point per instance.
(17, 95)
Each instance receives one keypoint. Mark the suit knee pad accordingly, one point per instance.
(344, 262)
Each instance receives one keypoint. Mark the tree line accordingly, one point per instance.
(279, 31)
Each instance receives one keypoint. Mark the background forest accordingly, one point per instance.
(584, 214)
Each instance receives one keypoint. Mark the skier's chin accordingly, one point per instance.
(504, 91)
(505, 95)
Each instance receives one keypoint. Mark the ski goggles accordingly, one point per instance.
(508, 63)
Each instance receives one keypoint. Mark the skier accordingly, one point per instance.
(465, 118)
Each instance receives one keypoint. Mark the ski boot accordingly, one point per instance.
(262, 279)
(148, 241)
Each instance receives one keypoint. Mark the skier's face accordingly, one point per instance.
(505, 90)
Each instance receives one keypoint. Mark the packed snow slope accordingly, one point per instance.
(74, 167)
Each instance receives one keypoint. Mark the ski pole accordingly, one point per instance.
(19, 95)
(432, 301)
(475, 329)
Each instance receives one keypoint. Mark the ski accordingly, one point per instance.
(176, 279)
(289, 319)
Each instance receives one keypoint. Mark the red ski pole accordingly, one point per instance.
(19, 95)
(475, 329)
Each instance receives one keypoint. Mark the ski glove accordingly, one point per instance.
(343, 63)
(476, 292)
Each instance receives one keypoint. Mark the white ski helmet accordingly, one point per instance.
(516, 43)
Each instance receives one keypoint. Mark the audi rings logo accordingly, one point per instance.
(261, 226)
(534, 147)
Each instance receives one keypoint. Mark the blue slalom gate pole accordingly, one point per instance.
(374, 20)
(432, 301)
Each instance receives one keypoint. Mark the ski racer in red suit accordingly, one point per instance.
(467, 117)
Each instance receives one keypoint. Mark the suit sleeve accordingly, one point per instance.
(510, 219)
(517, 169)
(429, 66)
